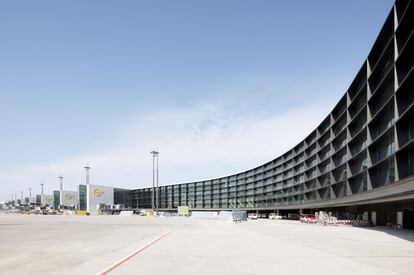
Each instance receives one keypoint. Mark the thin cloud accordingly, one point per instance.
(204, 142)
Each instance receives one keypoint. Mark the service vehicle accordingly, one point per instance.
(253, 216)
(274, 216)
(308, 218)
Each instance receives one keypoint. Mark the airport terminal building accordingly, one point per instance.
(93, 198)
(359, 159)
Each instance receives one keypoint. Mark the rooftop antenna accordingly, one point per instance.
(87, 168)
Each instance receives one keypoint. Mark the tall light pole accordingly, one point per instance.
(155, 192)
(61, 183)
(157, 200)
(41, 194)
(87, 168)
(60, 190)
(30, 195)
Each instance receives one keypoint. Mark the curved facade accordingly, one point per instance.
(361, 153)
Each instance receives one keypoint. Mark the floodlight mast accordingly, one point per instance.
(41, 194)
(87, 169)
(60, 190)
(155, 203)
(61, 183)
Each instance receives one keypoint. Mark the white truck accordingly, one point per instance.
(253, 216)
(274, 216)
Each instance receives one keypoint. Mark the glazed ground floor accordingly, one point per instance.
(389, 213)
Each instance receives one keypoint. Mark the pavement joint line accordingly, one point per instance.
(219, 247)
(111, 268)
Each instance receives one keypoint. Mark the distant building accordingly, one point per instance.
(47, 200)
(93, 196)
(66, 199)
(56, 199)
(38, 200)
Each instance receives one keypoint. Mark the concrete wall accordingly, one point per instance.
(69, 198)
(33, 200)
(47, 200)
(96, 195)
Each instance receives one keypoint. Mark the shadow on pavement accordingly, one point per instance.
(406, 234)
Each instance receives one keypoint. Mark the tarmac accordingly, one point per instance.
(173, 245)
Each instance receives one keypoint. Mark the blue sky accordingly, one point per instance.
(105, 82)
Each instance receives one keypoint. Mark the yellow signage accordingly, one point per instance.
(68, 196)
(97, 192)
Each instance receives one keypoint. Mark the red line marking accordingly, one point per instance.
(132, 255)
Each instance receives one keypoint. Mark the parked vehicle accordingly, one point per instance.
(274, 216)
(253, 216)
(308, 218)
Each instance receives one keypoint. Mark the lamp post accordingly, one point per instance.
(41, 194)
(87, 168)
(30, 196)
(61, 183)
(60, 190)
(155, 176)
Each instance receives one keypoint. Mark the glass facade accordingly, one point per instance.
(56, 199)
(38, 199)
(82, 197)
(122, 196)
